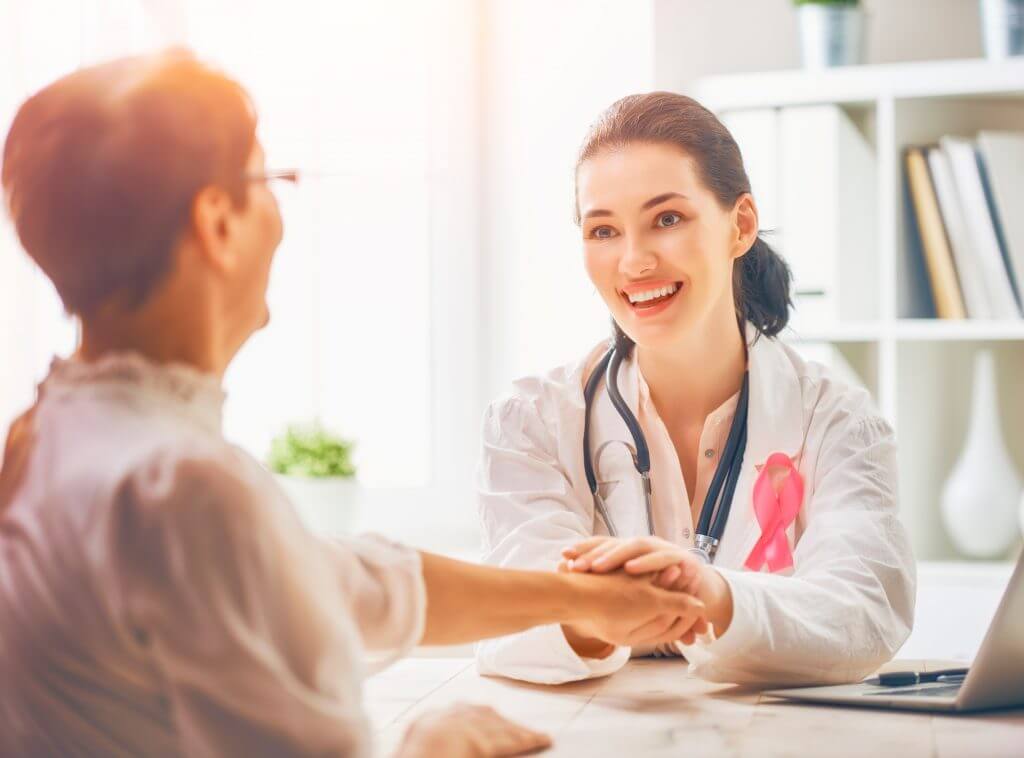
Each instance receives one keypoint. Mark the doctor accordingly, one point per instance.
(710, 450)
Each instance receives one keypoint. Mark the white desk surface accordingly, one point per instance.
(652, 708)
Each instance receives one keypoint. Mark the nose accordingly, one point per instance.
(638, 258)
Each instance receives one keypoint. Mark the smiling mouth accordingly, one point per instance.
(648, 299)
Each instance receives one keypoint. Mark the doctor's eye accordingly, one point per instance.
(602, 233)
(667, 219)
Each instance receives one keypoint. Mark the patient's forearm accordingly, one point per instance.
(467, 602)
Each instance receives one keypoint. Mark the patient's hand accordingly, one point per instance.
(468, 731)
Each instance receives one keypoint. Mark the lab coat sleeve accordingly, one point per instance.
(529, 512)
(849, 604)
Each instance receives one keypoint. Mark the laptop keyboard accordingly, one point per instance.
(945, 690)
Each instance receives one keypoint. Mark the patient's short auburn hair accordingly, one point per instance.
(100, 169)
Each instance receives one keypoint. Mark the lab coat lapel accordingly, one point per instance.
(775, 424)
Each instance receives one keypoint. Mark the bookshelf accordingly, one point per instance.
(918, 367)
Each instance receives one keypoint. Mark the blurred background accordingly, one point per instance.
(430, 255)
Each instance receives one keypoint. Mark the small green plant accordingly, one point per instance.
(311, 451)
(826, 2)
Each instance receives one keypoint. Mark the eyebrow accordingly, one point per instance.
(657, 200)
(660, 199)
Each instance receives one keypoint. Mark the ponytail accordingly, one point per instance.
(761, 281)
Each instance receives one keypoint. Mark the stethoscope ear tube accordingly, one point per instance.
(643, 454)
(722, 512)
(728, 470)
(588, 396)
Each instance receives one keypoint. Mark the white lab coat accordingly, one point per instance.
(843, 609)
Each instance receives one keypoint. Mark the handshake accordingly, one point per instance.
(608, 592)
(653, 592)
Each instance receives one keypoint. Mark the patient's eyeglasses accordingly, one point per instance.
(293, 175)
(288, 175)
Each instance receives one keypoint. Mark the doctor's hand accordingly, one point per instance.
(675, 568)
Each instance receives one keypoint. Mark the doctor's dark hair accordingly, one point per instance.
(761, 278)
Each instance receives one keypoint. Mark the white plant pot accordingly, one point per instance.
(327, 506)
(981, 496)
(831, 35)
(1002, 27)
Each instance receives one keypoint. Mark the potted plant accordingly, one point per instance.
(315, 469)
(831, 32)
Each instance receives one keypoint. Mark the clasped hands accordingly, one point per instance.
(656, 563)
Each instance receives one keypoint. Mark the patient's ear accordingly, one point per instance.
(213, 224)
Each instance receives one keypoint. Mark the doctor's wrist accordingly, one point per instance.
(715, 593)
(586, 603)
(584, 645)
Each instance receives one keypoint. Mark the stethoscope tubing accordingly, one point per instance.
(718, 501)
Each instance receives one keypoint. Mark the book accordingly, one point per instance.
(971, 284)
(828, 215)
(1002, 156)
(984, 244)
(949, 302)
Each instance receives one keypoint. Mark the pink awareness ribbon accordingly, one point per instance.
(776, 503)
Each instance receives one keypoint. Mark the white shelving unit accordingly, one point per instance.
(918, 367)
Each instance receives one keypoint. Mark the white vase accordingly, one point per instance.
(1022, 515)
(327, 506)
(1002, 27)
(979, 500)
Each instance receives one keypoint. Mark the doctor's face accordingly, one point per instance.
(657, 244)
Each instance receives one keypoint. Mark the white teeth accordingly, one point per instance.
(641, 297)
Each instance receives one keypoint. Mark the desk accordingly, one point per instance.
(652, 708)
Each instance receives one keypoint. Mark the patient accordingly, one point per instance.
(158, 594)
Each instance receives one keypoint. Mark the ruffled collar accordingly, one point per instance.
(174, 387)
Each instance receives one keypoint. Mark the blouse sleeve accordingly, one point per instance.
(252, 623)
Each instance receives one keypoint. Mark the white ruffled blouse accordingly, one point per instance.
(158, 594)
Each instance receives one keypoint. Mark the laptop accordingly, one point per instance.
(995, 679)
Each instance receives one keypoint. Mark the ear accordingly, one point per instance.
(745, 224)
(212, 217)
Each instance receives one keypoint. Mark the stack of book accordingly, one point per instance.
(967, 198)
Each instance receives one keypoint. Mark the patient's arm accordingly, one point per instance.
(467, 602)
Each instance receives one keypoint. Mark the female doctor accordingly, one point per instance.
(695, 443)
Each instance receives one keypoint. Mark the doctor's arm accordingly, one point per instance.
(848, 605)
(529, 511)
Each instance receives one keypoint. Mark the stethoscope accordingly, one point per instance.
(715, 511)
